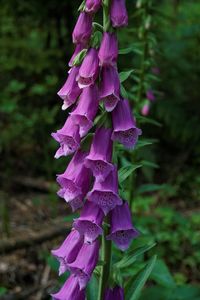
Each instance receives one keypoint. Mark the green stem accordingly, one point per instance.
(106, 258)
(106, 15)
(106, 245)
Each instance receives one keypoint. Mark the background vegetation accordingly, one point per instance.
(35, 47)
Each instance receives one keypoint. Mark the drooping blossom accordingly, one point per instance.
(108, 51)
(70, 290)
(105, 193)
(124, 126)
(86, 110)
(145, 109)
(118, 13)
(122, 230)
(92, 6)
(85, 263)
(99, 158)
(68, 137)
(68, 251)
(83, 29)
(150, 95)
(70, 90)
(78, 49)
(89, 69)
(116, 293)
(90, 221)
(110, 87)
(75, 181)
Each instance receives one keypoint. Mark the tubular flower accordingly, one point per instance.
(89, 223)
(122, 230)
(68, 137)
(85, 263)
(70, 90)
(124, 127)
(78, 48)
(117, 293)
(99, 158)
(83, 29)
(118, 13)
(92, 6)
(86, 110)
(105, 193)
(108, 51)
(75, 181)
(89, 69)
(110, 87)
(68, 251)
(70, 290)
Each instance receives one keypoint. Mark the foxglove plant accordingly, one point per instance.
(90, 182)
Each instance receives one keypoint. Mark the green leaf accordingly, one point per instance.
(132, 256)
(53, 263)
(70, 217)
(144, 120)
(125, 75)
(79, 57)
(161, 274)
(92, 289)
(126, 50)
(150, 188)
(149, 164)
(126, 171)
(142, 143)
(136, 288)
(124, 92)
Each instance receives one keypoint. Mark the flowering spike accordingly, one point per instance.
(86, 110)
(92, 6)
(124, 127)
(70, 90)
(89, 69)
(85, 263)
(99, 158)
(68, 251)
(108, 51)
(105, 193)
(122, 230)
(68, 137)
(83, 29)
(117, 293)
(90, 221)
(110, 87)
(70, 290)
(118, 13)
(75, 181)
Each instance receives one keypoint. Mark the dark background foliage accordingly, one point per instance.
(35, 46)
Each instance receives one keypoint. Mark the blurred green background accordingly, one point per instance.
(35, 46)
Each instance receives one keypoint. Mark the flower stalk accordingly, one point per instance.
(106, 258)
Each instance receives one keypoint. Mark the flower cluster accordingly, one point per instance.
(90, 181)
